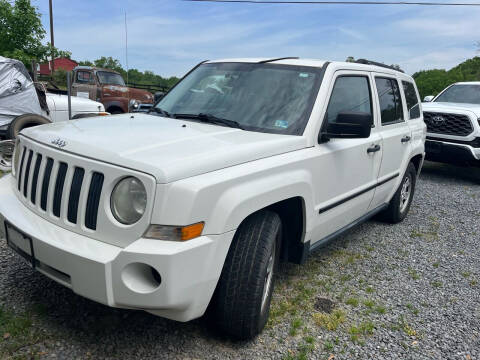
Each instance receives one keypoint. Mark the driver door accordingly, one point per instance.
(346, 170)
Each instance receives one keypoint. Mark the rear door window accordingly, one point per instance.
(413, 102)
(391, 107)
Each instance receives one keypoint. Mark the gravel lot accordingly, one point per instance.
(407, 291)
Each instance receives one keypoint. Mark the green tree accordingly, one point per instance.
(109, 63)
(21, 33)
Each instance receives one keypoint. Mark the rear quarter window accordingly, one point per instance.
(413, 102)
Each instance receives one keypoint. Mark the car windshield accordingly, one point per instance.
(110, 78)
(259, 97)
(469, 94)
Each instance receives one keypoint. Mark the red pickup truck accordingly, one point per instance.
(109, 88)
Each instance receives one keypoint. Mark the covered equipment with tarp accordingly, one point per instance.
(18, 95)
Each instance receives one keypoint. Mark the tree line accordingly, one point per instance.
(431, 82)
(22, 35)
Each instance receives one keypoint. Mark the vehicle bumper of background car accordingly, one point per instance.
(121, 277)
(453, 153)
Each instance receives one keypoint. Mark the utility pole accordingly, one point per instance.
(52, 43)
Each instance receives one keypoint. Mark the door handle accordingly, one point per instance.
(406, 139)
(373, 149)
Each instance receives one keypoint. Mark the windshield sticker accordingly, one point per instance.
(281, 123)
(303, 75)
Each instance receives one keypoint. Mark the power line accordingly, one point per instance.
(327, 2)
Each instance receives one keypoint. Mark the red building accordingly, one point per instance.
(59, 63)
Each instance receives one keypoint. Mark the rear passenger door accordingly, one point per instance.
(396, 136)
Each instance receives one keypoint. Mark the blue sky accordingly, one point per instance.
(170, 36)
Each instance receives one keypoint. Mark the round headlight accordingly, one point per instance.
(129, 200)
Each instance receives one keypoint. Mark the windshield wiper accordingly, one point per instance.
(209, 118)
(159, 111)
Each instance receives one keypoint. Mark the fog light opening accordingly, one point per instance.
(141, 278)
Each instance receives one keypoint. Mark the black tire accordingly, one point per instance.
(238, 307)
(398, 209)
(24, 121)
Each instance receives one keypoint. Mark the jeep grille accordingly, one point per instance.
(54, 191)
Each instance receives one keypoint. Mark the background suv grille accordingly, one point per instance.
(53, 189)
(448, 124)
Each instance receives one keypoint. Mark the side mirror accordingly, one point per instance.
(428, 98)
(349, 125)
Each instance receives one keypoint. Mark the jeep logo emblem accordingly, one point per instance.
(59, 142)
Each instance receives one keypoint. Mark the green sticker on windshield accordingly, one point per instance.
(303, 75)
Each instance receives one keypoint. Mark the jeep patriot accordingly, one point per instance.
(244, 163)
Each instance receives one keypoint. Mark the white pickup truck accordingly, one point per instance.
(244, 163)
(453, 124)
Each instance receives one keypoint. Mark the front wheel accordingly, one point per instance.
(24, 121)
(402, 200)
(241, 303)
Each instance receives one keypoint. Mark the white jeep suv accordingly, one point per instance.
(453, 125)
(243, 163)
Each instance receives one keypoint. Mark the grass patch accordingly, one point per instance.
(296, 324)
(380, 309)
(352, 301)
(413, 274)
(369, 290)
(369, 303)
(17, 332)
(416, 234)
(330, 321)
(328, 346)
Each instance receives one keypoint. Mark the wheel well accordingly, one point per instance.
(292, 214)
(417, 161)
(113, 108)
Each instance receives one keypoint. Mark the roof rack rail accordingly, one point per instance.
(276, 59)
(369, 62)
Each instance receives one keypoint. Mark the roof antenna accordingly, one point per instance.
(126, 57)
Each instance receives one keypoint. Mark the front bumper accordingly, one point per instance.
(453, 153)
(101, 272)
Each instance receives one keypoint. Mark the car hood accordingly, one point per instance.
(446, 106)
(142, 96)
(168, 149)
(79, 104)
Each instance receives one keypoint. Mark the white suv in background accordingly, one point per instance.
(453, 127)
(244, 163)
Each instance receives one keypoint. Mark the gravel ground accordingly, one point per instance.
(406, 291)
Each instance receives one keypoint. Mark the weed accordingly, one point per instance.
(296, 324)
(369, 303)
(330, 321)
(413, 274)
(437, 284)
(352, 301)
(328, 346)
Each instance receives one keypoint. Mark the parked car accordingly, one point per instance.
(244, 163)
(25, 104)
(108, 87)
(453, 127)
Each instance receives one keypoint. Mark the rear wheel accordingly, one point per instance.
(241, 303)
(402, 200)
(24, 121)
